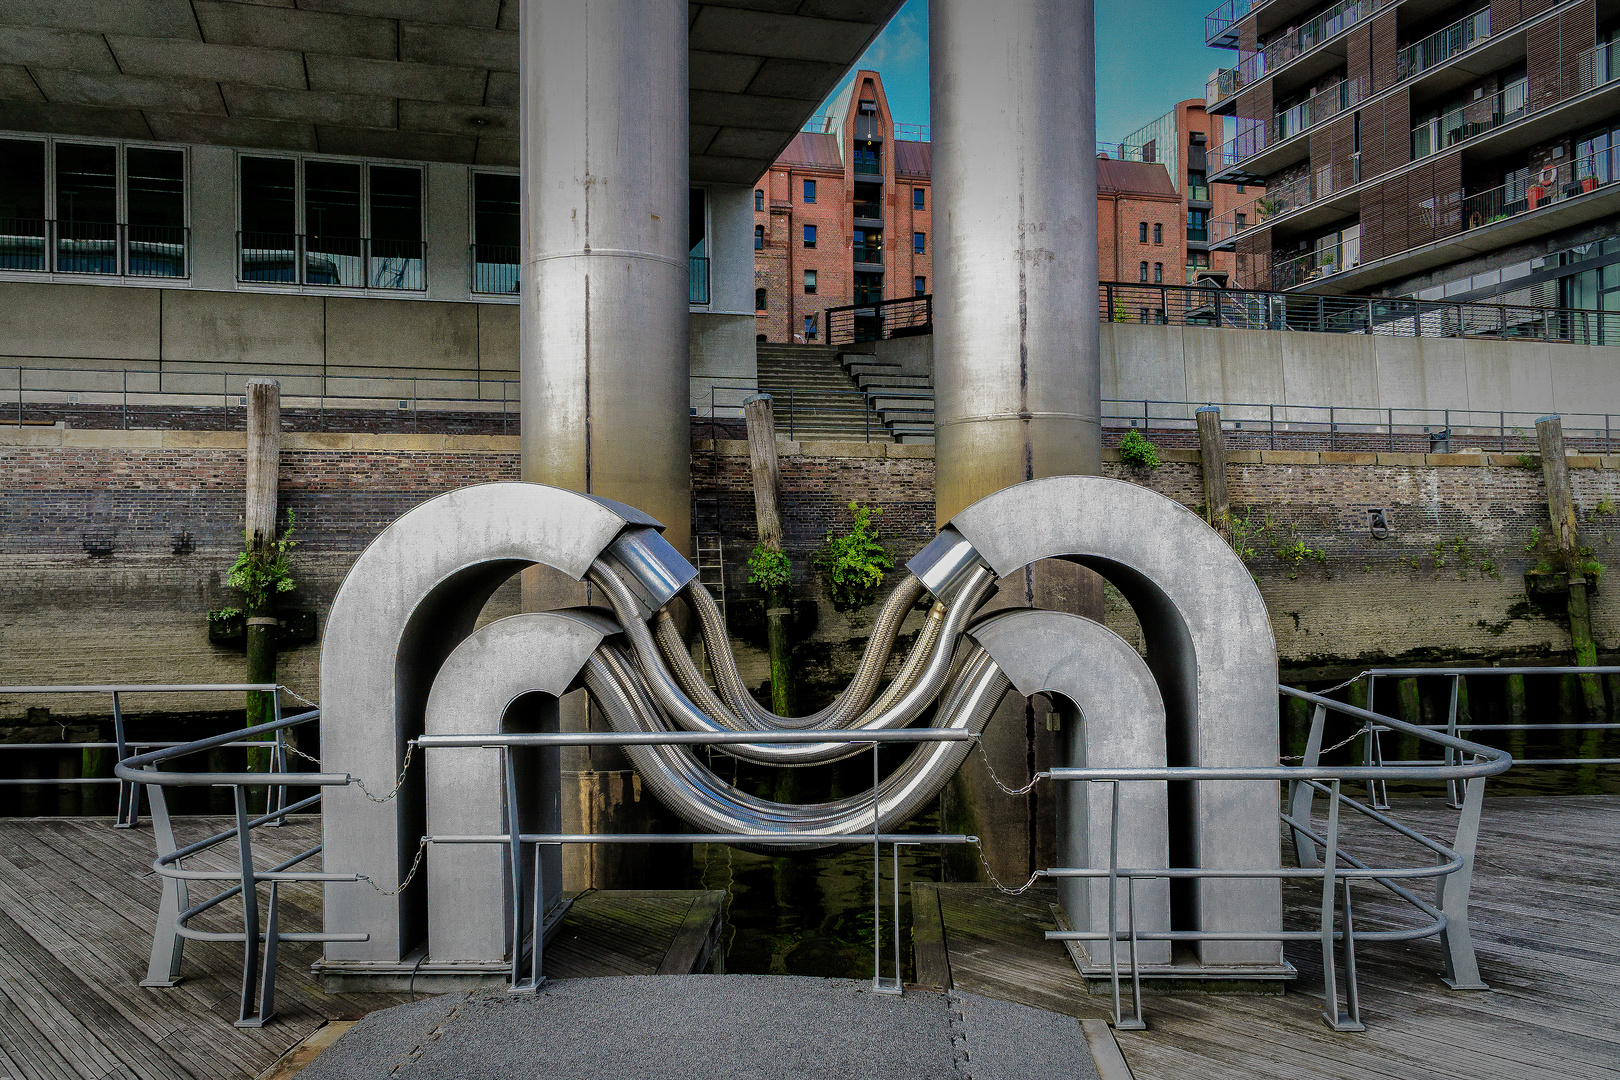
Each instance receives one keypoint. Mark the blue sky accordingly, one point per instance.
(1150, 55)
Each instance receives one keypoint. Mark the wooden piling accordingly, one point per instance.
(1566, 544)
(768, 513)
(263, 467)
(1212, 454)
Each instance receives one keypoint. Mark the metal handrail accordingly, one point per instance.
(1453, 866)
(100, 248)
(880, 320)
(175, 910)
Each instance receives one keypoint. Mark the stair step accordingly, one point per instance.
(854, 360)
(893, 382)
(923, 402)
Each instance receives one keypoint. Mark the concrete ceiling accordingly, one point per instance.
(425, 80)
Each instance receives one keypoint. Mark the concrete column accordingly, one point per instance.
(1017, 382)
(605, 188)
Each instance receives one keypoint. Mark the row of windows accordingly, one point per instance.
(919, 198)
(1142, 232)
(868, 241)
(1158, 271)
(919, 285)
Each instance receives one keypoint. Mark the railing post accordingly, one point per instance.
(1390, 424)
(1339, 1021)
(1451, 895)
(250, 913)
(163, 968)
(1135, 1023)
(1301, 795)
(128, 794)
(125, 398)
(514, 861)
(1272, 423)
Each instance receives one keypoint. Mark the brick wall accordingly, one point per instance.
(1447, 583)
(1122, 249)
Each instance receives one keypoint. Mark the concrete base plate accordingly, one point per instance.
(718, 1027)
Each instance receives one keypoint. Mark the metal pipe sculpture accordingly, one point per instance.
(401, 657)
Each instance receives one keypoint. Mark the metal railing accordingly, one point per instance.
(1255, 309)
(913, 132)
(528, 919)
(339, 261)
(1485, 114)
(1253, 66)
(843, 415)
(94, 247)
(906, 316)
(129, 794)
(495, 269)
(1218, 23)
(1361, 429)
(1442, 45)
(136, 398)
(1254, 136)
(697, 288)
(170, 931)
(1557, 183)
(1278, 199)
(1320, 857)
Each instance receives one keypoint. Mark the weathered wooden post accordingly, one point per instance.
(263, 466)
(1212, 454)
(1566, 545)
(762, 462)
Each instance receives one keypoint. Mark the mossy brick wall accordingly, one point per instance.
(1447, 583)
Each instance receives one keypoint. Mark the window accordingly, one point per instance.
(1158, 272)
(1141, 232)
(919, 243)
(868, 159)
(1242, 219)
(495, 232)
(1198, 226)
(1241, 188)
(809, 327)
(759, 199)
(314, 221)
(1197, 185)
(868, 288)
(759, 238)
(868, 245)
(697, 246)
(919, 285)
(117, 210)
(809, 191)
(759, 299)
(809, 282)
(1158, 233)
(918, 199)
(1141, 272)
(809, 236)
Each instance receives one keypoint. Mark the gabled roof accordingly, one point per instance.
(814, 149)
(1136, 177)
(913, 158)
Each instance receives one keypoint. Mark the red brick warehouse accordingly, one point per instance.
(842, 217)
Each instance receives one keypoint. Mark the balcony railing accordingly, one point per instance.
(1254, 136)
(94, 247)
(1597, 66)
(868, 167)
(1253, 66)
(697, 290)
(1280, 199)
(495, 269)
(912, 132)
(1439, 47)
(1314, 265)
(1218, 24)
(869, 210)
(1504, 107)
(1568, 180)
(340, 261)
(905, 317)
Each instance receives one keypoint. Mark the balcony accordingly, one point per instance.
(868, 211)
(1220, 25)
(869, 254)
(495, 269)
(1277, 200)
(351, 262)
(1313, 266)
(1485, 114)
(697, 289)
(1568, 180)
(1439, 47)
(93, 247)
(1258, 137)
(1254, 66)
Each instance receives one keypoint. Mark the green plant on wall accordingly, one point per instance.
(1295, 553)
(769, 569)
(852, 565)
(260, 575)
(1137, 451)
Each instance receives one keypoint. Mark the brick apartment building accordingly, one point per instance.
(1185, 141)
(1419, 148)
(842, 217)
(1140, 230)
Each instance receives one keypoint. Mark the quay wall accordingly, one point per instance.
(114, 545)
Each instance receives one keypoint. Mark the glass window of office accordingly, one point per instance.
(868, 288)
(496, 239)
(868, 245)
(759, 299)
(1158, 232)
(919, 243)
(809, 191)
(697, 238)
(1141, 232)
(809, 236)
(809, 282)
(759, 238)
(93, 208)
(809, 327)
(1141, 272)
(919, 285)
(1158, 272)
(918, 199)
(316, 221)
(759, 199)
(1595, 157)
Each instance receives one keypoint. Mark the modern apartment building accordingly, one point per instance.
(844, 216)
(1423, 148)
(1185, 141)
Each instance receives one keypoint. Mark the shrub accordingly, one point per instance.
(769, 568)
(1137, 451)
(852, 565)
(260, 575)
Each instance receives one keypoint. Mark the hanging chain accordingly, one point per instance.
(1025, 887)
(1025, 790)
(1354, 735)
(421, 849)
(296, 696)
(404, 770)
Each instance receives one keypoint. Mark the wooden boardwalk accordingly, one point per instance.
(77, 903)
(1546, 907)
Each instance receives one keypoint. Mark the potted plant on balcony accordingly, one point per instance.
(1588, 183)
(1324, 265)
(1266, 207)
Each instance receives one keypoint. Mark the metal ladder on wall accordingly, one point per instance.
(711, 567)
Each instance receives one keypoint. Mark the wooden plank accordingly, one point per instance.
(930, 958)
(691, 943)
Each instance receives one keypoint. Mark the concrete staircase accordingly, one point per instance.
(822, 394)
